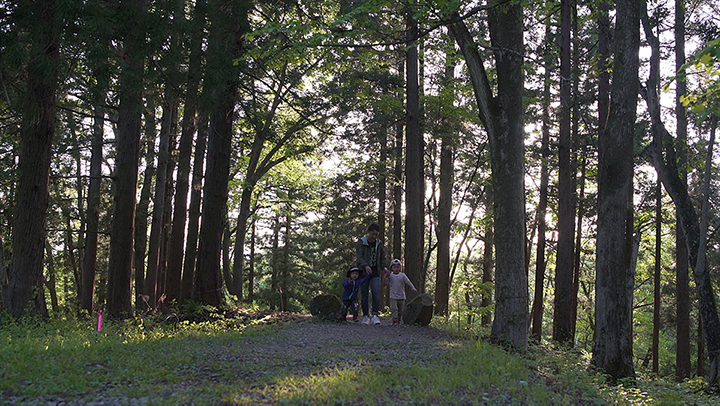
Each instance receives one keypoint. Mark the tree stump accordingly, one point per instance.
(419, 310)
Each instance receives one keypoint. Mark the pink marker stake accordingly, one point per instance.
(99, 327)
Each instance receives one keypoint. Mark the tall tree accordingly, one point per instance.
(656, 280)
(179, 219)
(540, 265)
(230, 22)
(612, 350)
(682, 287)
(23, 294)
(188, 274)
(444, 209)
(502, 117)
(119, 300)
(414, 163)
(562, 317)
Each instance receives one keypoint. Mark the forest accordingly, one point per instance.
(544, 170)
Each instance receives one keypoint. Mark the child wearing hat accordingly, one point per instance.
(397, 281)
(351, 286)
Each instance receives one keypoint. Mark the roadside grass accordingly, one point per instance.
(160, 362)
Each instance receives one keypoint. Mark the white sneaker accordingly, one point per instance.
(366, 320)
(376, 320)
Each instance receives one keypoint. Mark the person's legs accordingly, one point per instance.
(364, 291)
(394, 309)
(400, 308)
(375, 287)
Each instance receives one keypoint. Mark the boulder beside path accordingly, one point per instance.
(326, 307)
(419, 310)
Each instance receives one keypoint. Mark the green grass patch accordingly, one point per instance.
(212, 362)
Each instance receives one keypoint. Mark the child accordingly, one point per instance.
(397, 281)
(351, 287)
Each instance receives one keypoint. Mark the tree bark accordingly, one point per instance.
(23, 294)
(613, 351)
(562, 316)
(414, 166)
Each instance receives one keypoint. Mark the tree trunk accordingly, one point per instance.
(224, 45)
(656, 280)
(503, 120)
(251, 265)
(562, 317)
(141, 216)
(382, 203)
(158, 213)
(398, 192)
(682, 327)
(119, 300)
(540, 265)
(22, 295)
(93, 208)
(179, 220)
(578, 244)
(487, 262)
(444, 209)
(414, 167)
(188, 277)
(612, 351)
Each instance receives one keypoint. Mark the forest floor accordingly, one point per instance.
(285, 358)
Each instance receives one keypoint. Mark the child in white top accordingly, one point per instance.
(397, 281)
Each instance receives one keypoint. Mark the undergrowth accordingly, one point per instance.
(189, 358)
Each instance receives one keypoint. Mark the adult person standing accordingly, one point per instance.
(371, 258)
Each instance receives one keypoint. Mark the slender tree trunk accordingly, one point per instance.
(177, 233)
(414, 167)
(141, 217)
(23, 293)
(251, 265)
(93, 208)
(286, 262)
(382, 203)
(444, 209)
(612, 351)
(51, 281)
(562, 317)
(158, 213)
(487, 262)
(577, 267)
(398, 192)
(682, 326)
(540, 265)
(188, 278)
(656, 280)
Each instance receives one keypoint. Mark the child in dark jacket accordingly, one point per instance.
(351, 287)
